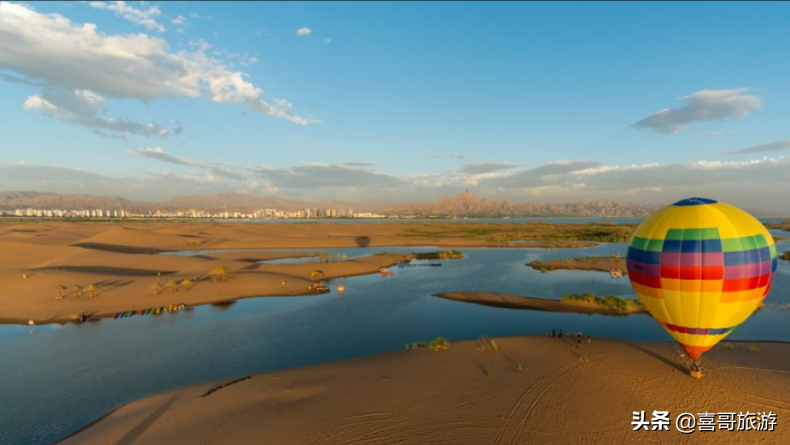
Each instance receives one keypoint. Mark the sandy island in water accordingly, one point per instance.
(122, 259)
(538, 304)
(593, 263)
(512, 390)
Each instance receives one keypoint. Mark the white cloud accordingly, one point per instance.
(541, 175)
(196, 16)
(152, 186)
(703, 105)
(179, 20)
(50, 49)
(477, 168)
(304, 31)
(325, 176)
(211, 169)
(143, 16)
(159, 154)
(756, 184)
(765, 148)
(35, 102)
(359, 164)
(85, 108)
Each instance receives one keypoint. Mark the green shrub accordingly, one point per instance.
(417, 345)
(439, 255)
(439, 344)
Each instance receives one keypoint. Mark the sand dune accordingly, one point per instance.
(18, 256)
(121, 259)
(108, 270)
(529, 390)
(134, 237)
(129, 289)
(52, 233)
(123, 281)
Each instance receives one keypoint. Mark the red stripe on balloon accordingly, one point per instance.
(692, 273)
(746, 283)
(644, 279)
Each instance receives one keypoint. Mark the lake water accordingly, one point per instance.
(55, 379)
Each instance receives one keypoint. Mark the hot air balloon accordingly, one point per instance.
(701, 268)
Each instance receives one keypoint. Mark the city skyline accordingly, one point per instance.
(391, 103)
(262, 214)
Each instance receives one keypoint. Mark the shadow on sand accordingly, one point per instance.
(660, 357)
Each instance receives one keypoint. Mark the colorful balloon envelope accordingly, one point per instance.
(701, 268)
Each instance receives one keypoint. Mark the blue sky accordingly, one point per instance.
(391, 102)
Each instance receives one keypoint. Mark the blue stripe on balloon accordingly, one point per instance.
(644, 256)
(746, 256)
(694, 202)
(692, 246)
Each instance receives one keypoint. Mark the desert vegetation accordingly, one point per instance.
(596, 263)
(439, 255)
(622, 305)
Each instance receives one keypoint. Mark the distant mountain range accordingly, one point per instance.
(220, 202)
(469, 205)
(466, 205)
(36, 200)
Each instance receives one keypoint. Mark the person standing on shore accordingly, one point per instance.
(553, 333)
(578, 339)
(560, 335)
(589, 339)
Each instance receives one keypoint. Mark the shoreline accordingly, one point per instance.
(531, 389)
(57, 272)
(542, 245)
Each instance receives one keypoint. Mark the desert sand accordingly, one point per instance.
(512, 390)
(511, 301)
(122, 260)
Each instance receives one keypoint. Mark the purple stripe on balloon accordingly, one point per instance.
(708, 259)
(670, 258)
(747, 270)
(713, 259)
(653, 270)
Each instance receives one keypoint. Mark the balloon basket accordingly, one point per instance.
(696, 374)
